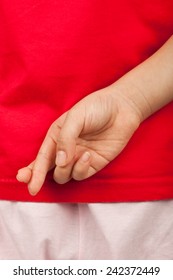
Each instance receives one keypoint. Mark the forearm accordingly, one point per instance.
(149, 86)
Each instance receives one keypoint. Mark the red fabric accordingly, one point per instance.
(52, 54)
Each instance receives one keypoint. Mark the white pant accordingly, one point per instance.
(86, 231)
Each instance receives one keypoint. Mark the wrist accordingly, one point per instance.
(131, 93)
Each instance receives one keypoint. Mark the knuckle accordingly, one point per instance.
(78, 174)
(43, 155)
(60, 180)
(60, 141)
(54, 129)
(37, 172)
(61, 176)
(54, 125)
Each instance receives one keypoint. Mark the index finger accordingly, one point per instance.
(44, 161)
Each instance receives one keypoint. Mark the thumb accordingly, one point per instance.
(70, 131)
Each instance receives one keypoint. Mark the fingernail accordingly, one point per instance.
(61, 158)
(85, 157)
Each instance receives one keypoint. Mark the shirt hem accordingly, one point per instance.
(91, 191)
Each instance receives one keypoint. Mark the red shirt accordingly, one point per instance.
(52, 54)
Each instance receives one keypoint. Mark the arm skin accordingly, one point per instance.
(150, 83)
(78, 147)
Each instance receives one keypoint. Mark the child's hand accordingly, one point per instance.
(83, 140)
